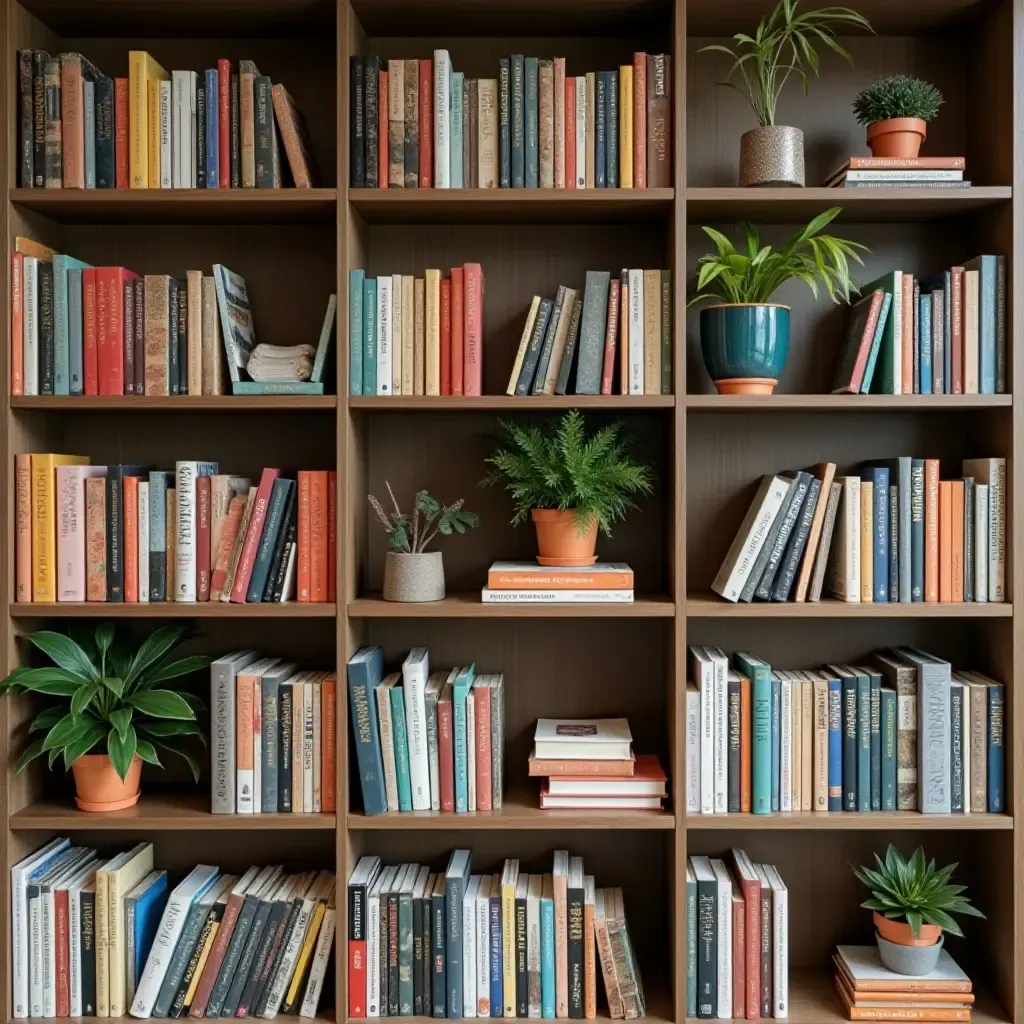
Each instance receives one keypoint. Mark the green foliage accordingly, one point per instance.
(410, 535)
(898, 96)
(110, 692)
(784, 45)
(755, 275)
(557, 466)
(915, 890)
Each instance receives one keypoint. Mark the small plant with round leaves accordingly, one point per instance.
(897, 96)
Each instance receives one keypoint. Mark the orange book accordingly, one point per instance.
(745, 711)
(23, 528)
(121, 132)
(931, 529)
(639, 120)
(328, 734)
(458, 284)
(472, 330)
(332, 536)
(96, 539)
(72, 120)
(908, 335)
(956, 539)
(446, 336)
(318, 536)
(525, 576)
(898, 1012)
(549, 767)
(228, 538)
(945, 540)
(131, 539)
(251, 543)
(382, 129)
(245, 705)
(302, 537)
(570, 132)
(17, 325)
(589, 941)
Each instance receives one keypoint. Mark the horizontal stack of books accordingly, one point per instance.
(892, 532)
(737, 939)
(456, 944)
(939, 335)
(427, 741)
(900, 172)
(589, 764)
(216, 945)
(416, 336)
(609, 337)
(130, 533)
(830, 739)
(529, 583)
(80, 128)
(272, 737)
(870, 991)
(419, 124)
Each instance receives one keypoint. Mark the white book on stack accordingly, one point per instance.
(590, 739)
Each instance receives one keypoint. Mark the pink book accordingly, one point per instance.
(23, 528)
(458, 295)
(71, 531)
(473, 312)
(252, 537)
(482, 722)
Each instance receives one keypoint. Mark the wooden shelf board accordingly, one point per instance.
(182, 404)
(846, 403)
(160, 812)
(467, 605)
(510, 205)
(782, 205)
(710, 606)
(842, 821)
(172, 610)
(508, 403)
(181, 206)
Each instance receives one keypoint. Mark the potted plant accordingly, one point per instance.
(744, 336)
(783, 45)
(569, 481)
(913, 904)
(411, 573)
(896, 111)
(108, 708)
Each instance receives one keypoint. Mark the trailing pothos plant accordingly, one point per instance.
(105, 694)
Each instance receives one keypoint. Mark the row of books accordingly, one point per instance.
(272, 737)
(128, 533)
(416, 335)
(530, 583)
(895, 532)
(568, 345)
(80, 128)
(830, 739)
(426, 741)
(456, 944)
(94, 937)
(419, 124)
(737, 939)
(900, 172)
(944, 334)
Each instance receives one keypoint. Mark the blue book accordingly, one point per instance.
(835, 742)
(876, 343)
(518, 126)
(600, 128)
(149, 897)
(530, 123)
(986, 267)
(863, 684)
(996, 748)
(947, 351)
(401, 740)
(611, 119)
(917, 529)
(62, 285)
(924, 362)
(504, 125)
(776, 739)
(494, 960)
(279, 496)
(547, 956)
(76, 369)
(760, 675)
(458, 134)
(365, 671)
(370, 336)
(888, 742)
(456, 880)
(89, 130)
(276, 387)
(878, 477)
(356, 282)
(212, 129)
(460, 691)
(875, 682)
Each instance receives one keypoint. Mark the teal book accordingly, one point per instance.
(76, 353)
(276, 387)
(888, 701)
(691, 944)
(547, 956)
(401, 743)
(457, 130)
(863, 741)
(62, 323)
(356, 283)
(530, 114)
(460, 691)
(876, 344)
(875, 679)
(996, 748)
(369, 336)
(760, 675)
(924, 344)
(986, 267)
(886, 379)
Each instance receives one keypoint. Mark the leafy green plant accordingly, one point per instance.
(410, 534)
(783, 45)
(753, 276)
(915, 890)
(898, 96)
(558, 465)
(110, 695)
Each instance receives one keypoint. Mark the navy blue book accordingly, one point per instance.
(530, 127)
(600, 128)
(276, 508)
(104, 101)
(776, 739)
(212, 129)
(917, 530)
(456, 879)
(365, 671)
(878, 477)
(611, 117)
(504, 126)
(996, 749)
(894, 547)
(518, 119)
(201, 132)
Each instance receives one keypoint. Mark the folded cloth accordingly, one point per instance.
(281, 362)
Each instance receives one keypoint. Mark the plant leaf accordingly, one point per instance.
(155, 647)
(28, 755)
(121, 750)
(176, 669)
(64, 652)
(161, 704)
(83, 697)
(121, 720)
(147, 752)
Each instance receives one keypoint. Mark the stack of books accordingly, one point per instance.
(272, 737)
(529, 583)
(219, 129)
(455, 944)
(830, 739)
(416, 336)
(589, 764)
(419, 124)
(427, 741)
(609, 337)
(893, 532)
(900, 172)
(870, 991)
(737, 939)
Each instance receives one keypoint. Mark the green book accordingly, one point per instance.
(369, 336)
(401, 743)
(888, 371)
(460, 691)
(888, 701)
(760, 675)
(356, 286)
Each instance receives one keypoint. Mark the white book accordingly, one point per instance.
(635, 335)
(533, 895)
(483, 945)
(751, 536)
(981, 535)
(469, 946)
(191, 129)
(181, 149)
(845, 562)
(308, 693)
(143, 542)
(895, 355)
(384, 309)
(597, 739)
(396, 334)
(724, 937)
(863, 964)
(970, 315)
(992, 474)
(186, 475)
(581, 131)
(166, 135)
(373, 945)
(223, 728)
(721, 748)
(780, 943)
(489, 596)
(30, 328)
(288, 590)
(702, 672)
(442, 119)
(321, 957)
(187, 892)
(693, 750)
(471, 751)
(785, 743)
(415, 672)
(387, 740)
(71, 530)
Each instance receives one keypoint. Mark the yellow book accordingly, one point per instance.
(204, 955)
(44, 522)
(509, 878)
(120, 882)
(307, 948)
(432, 365)
(867, 542)
(652, 332)
(626, 126)
(143, 120)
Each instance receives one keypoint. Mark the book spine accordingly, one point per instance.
(453, 910)
(996, 749)
(875, 698)
(639, 120)
(931, 530)
(835, 745)
(530, 122)
(863, 743)
(574, 947)
(411, 124)
(426, 124)
(442, 97)
(439, 950)
(956, 749)
(707, 949)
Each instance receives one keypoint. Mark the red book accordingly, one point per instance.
(318, 536)
(446, 749)
(570, 132)
(121, 132)
(302, 538)
(110, 327)
(61, 932)
(252, 538)
(382, 129)
(332, 538)
(956, 329)
(639, 120)
(90, 347)
(131, 539)
(458, 285)
(750, 886)
(739, 952)
(426, 123)
(482, 721)
(357, 970)
(473, 341)
(224, 121)
(328, 729)
(446, 336)
(203, 558)
(611, 338)
(17, 325)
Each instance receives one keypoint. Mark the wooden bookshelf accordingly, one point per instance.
(296, 247)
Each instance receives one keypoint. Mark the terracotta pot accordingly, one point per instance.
(899, 932)
(898, 137)
(558, 540)
(98, 788)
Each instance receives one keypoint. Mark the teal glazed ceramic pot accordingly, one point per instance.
(745, 346)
